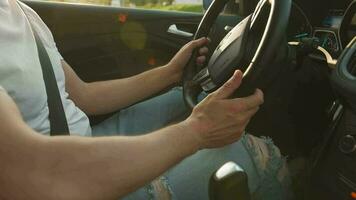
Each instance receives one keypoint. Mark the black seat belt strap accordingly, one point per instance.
(57, 117)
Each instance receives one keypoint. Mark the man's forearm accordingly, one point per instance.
(93, 168)
(110, 167)
(34, 166)
(108, 96)
(40, 167)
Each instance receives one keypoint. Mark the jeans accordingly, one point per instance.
(268, 176)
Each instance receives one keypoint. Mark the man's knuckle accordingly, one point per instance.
(236, 108)
(229, 113)
(243, 105)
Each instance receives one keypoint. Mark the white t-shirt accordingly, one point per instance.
(21, 73)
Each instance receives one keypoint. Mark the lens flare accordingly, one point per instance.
(133, 35)
(122, 18)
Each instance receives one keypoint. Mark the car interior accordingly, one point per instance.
(301, 53)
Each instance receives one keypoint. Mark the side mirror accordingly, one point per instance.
(229, 182)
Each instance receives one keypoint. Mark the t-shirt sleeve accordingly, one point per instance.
(2, 89)
(42, 29)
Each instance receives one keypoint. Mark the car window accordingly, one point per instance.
(174, 5)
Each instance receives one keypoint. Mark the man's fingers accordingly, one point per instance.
(198, 43)
(230, 86)
(201, 60)
(203, 51)
(250, 102)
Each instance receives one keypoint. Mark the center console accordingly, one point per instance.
(334, 177)
(334, 172)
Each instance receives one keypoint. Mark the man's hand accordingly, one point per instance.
(180, 60)
(219, 121)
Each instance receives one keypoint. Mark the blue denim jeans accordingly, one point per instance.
(268, 176)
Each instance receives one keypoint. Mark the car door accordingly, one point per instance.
(104, 42)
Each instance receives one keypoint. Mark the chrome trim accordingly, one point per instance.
(339, 48)
(208, 85)
(174, 30)
(329, 59)
(228, 28)
(264, 36)
(346, 181)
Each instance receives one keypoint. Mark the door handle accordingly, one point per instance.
(174, 30)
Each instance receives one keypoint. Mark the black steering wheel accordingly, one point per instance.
(250, 46)
(343, 77)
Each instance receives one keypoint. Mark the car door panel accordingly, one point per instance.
(105, 42)
(102, 42)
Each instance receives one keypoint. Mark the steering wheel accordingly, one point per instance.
(250, 46)
(343, 77)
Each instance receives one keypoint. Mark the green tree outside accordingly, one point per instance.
(146, 4)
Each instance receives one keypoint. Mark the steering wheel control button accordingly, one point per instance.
(347, 144)
(208, 85)
(201, 76)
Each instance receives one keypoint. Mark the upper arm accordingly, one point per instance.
(10, 116)
(19, 151)
(15, 134)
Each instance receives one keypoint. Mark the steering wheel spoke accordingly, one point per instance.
(203, 79)
(201, 76)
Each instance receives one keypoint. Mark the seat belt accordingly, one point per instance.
(57, 117)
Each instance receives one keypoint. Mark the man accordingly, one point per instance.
(34, 166)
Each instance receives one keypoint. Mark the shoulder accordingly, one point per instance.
(41, 28)
(38, 24)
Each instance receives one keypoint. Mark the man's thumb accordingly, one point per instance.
(230, 86)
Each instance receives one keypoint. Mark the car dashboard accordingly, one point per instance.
(333, 25)
(332, 22)
(328, 32)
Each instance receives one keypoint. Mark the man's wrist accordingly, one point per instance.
(174, 74)
(188, 137)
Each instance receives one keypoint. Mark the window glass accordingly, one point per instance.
(176, 5)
